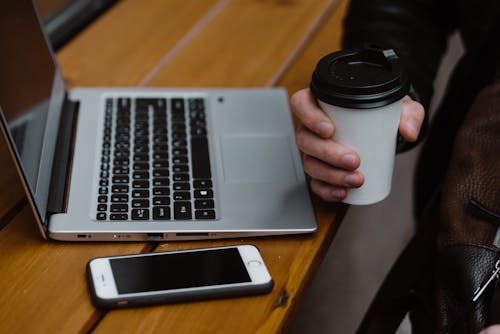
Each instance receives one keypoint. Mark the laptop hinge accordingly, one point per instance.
(62, 157)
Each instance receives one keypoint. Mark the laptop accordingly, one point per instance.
(135, 164)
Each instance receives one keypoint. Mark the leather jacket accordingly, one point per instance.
(419, 30)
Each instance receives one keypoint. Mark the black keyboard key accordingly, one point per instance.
(102, 199)
(140, 203)
(140, 175)
(203, 193)
(102, 207)
(177, 105)
(199, 158)
(160, 164)
(160, 172)
(178, 186)
(181, 177)
(161, 213)
(180, 160)
(101, 216)
(140, 214)
(160, 156)
(141, 157)
(140, 184)
(119, 198)
(161, 200)
(103, 182)
(122, 208)
(118, 216)
(182, 210)
(121, 179)
(121, 170)
(119, 189)
(182, 196)
(103, 190)
(161, 191)
(140, 193)
(204, 204)
(179, 143)
(161, 182)
(104, 174)
(121, 162)
(141, 166)
(204, 214)
(180, 168)
(204, 184)
(179, 151)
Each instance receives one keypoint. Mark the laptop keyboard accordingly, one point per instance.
(155, 161)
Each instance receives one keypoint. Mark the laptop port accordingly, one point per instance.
(194, 234)
(155, 236)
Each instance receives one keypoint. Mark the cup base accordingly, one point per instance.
(354, 200)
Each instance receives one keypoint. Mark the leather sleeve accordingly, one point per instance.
(416, 29)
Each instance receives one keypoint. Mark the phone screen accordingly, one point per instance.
(178, 270)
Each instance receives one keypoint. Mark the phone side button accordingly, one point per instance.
(254, 263)
(122, 303)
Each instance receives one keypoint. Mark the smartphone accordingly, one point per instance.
(167, 277)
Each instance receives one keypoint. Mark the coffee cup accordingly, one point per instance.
(361, 90)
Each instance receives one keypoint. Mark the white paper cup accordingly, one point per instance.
(361, 90)
(372, 134)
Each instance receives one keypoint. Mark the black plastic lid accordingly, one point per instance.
(360, 78)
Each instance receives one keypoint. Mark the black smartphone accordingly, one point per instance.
(186, 275)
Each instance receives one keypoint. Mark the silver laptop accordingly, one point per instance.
(145, 164)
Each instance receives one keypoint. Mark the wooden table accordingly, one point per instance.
(176, 43)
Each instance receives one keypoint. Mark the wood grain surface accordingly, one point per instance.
(176, 43)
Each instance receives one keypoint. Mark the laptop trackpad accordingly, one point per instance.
(257, 159)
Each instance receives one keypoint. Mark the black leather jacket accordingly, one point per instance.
(418, 30)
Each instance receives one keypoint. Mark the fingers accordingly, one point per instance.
(326, 150)
(304, 106)
(412, 117)
(320, 171)
(331, 166)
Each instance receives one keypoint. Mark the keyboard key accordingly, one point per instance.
(140, 203)
(140, 193)
(179, 177)
(141, 166)
(140, 175)
(160, 172)
(197, 184)
(199, 158)
(161, 213)
(161, 200)
(203, 193)
(118, 216)
(182, 196)
(180, 168)
(204, 214)
(161, 191)
(102, 207)
(119, 198)
(140, 214)
(101, 216)
(160, 164)
(182, 210)
(140, 184)
(204, 204)
(102, 199)
(161, 182)
(120, 179)
(103, 182)
(103, 190)
(178, 186)
(119, 189)
(119, 208)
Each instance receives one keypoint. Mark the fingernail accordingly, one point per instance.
(324, 128)
(352, 179)
(349, 160)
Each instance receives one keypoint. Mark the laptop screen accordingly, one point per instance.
(27, 78)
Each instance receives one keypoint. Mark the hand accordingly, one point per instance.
(494, 329)
(332, 166)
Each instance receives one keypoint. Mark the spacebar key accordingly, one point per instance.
(200, 159)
